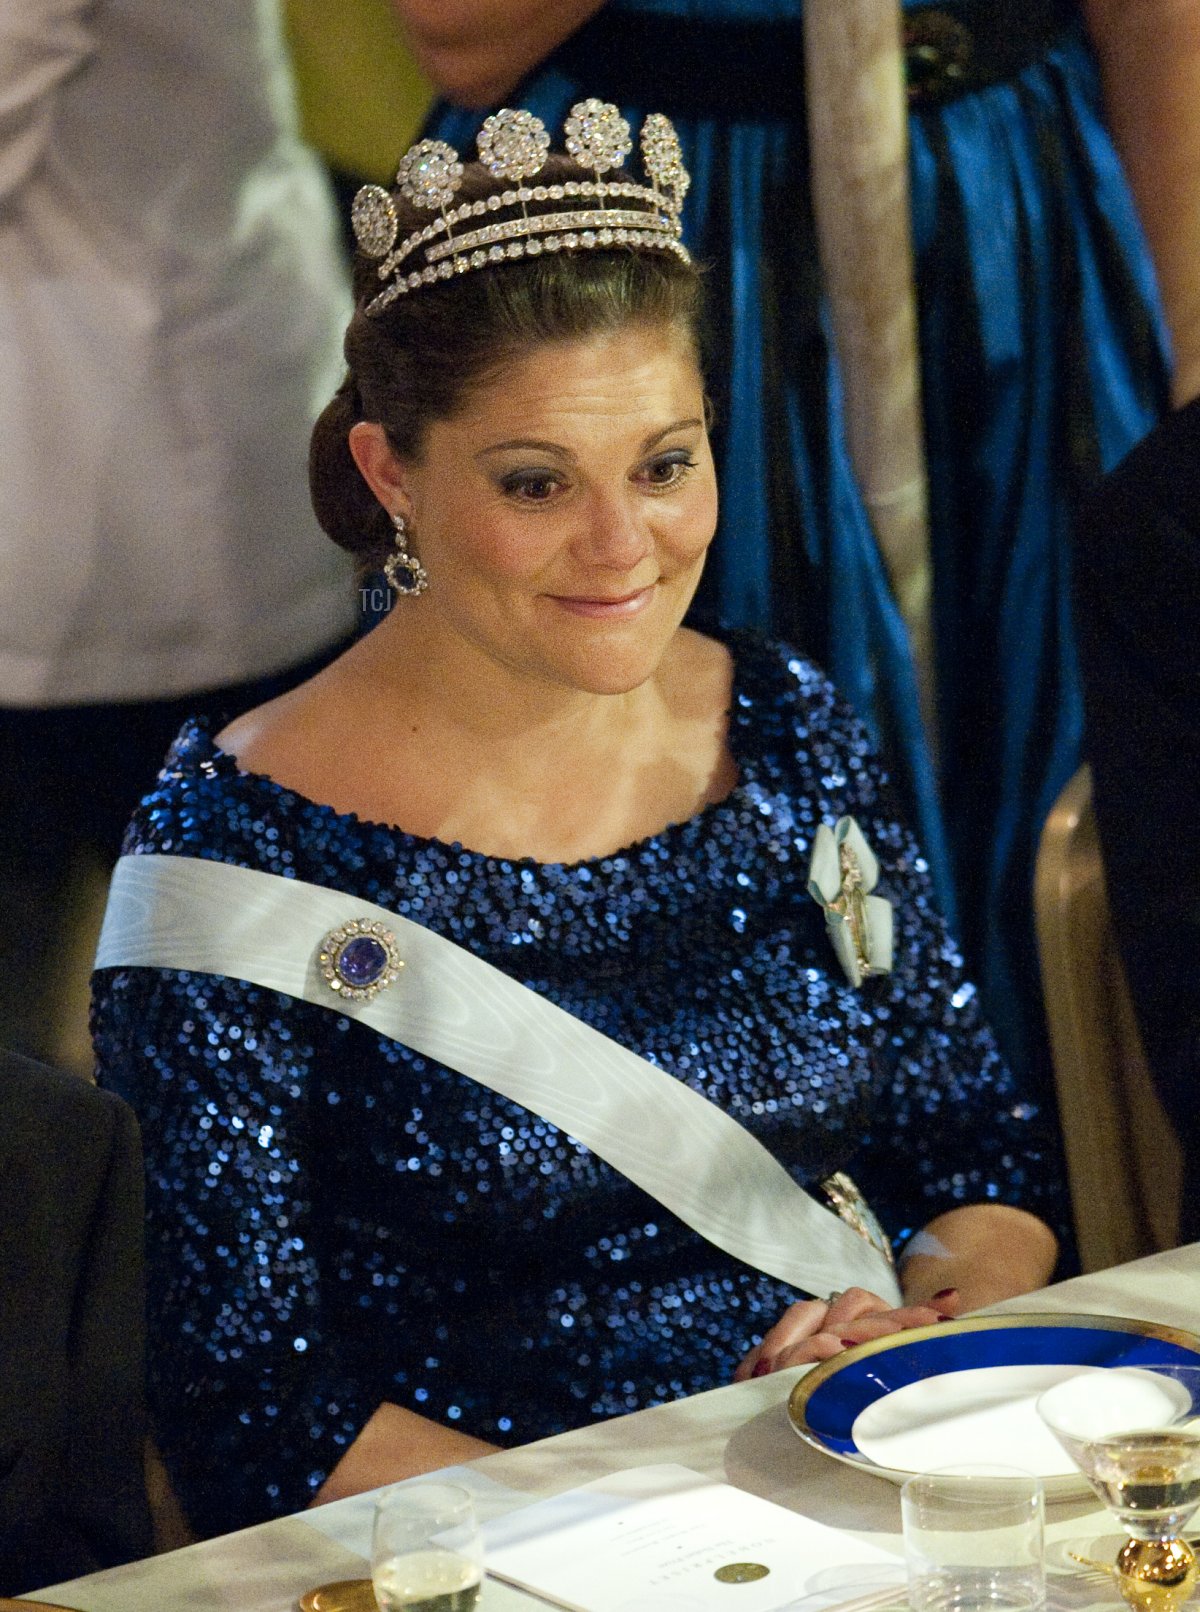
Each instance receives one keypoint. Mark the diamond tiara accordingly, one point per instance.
(584, 214)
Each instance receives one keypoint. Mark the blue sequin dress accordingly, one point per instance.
(333, 1221)
(1042, 363)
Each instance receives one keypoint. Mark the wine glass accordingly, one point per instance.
(1134, 1433)
(426, 1549)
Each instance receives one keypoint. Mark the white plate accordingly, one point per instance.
(987, 1414)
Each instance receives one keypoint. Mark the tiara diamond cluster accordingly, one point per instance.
(430, 174)
(597, 135)
(513, 145)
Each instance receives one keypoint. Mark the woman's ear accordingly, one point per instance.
(379, 466)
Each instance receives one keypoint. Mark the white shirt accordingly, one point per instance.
(172, 298)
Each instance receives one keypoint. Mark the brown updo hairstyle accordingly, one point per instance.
(418, 360)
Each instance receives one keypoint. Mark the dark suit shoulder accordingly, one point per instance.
(29, 1092)
(1143, 521)
(1165, 464)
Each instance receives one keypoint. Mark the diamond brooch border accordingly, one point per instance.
(335, 943)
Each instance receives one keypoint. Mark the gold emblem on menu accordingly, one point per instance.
(741, 1573)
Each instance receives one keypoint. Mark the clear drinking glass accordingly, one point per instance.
(426, 1549)
(973, 1540)
(1134, 1433)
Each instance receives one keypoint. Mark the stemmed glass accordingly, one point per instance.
(1134, 1433)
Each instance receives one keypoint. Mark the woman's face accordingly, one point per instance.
(564, 513)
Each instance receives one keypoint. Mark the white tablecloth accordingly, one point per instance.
(738, 1434)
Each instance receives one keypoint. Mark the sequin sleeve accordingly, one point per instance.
(251, 1409)
(951, 1123)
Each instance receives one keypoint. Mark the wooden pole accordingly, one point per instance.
(858, 133)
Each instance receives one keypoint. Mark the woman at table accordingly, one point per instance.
(366, 1262)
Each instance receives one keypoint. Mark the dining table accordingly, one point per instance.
(739, 1435)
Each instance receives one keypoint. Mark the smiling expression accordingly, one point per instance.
(564, 512)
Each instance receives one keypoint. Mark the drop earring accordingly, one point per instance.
(404, 572)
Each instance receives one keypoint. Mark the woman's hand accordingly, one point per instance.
(964, 1259)
(815, 1330)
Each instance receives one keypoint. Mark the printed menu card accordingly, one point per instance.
(668, 1539)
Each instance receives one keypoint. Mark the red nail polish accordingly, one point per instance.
(848, 1343)
(946, 1293)
(762, 1367)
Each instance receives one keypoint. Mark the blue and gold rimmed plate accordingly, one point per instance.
(964, 1391)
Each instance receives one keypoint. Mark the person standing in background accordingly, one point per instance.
(171, 300)
(1044, 358)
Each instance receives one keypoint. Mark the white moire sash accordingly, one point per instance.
(448, 1005)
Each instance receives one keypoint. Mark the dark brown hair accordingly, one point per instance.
(417, 361)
